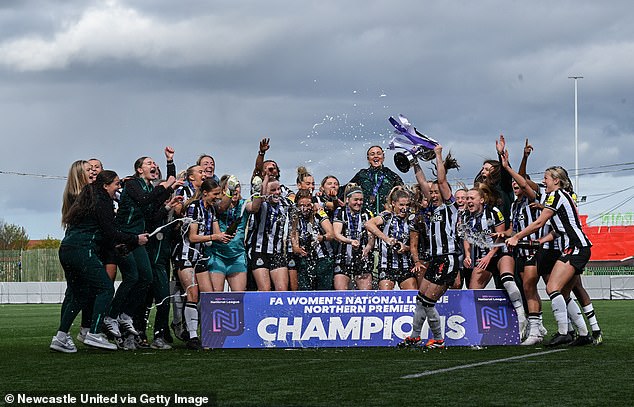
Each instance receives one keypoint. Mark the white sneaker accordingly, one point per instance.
(523, 331)
(532, 340)
(159, 343)
(112, 326)
(82, 334)
(542, 330)
(99, 341)
(67, 346)
(125, 322)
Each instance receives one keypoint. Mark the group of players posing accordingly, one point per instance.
(425, 238)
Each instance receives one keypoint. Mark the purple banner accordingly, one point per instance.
(306, 319)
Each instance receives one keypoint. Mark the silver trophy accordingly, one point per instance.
(416, 145)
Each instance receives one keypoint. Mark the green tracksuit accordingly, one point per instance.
(138, 200)
(86, 276)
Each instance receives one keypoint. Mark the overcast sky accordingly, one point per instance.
(122, 79)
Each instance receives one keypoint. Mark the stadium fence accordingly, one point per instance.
(30, 265)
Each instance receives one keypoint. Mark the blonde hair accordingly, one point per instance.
(395, 194)
(560, 173)
(75, 182)
(486, 193)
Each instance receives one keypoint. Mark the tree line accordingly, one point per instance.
(15, 237)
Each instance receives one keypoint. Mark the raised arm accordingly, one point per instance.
(228, 193)
(522, 170)
(505, 177)
(443, 185)
(422, 181)
(259, 160)
(254, 205)
(527, 151)
(169, 156)
(521, 181)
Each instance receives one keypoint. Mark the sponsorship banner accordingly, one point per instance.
(308, 319)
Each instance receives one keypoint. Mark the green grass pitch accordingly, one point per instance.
(502, 376)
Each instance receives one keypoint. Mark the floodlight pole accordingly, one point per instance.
(576, 137)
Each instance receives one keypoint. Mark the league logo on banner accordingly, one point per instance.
(226, 317)
(493, 317)
(497, 320)
(223, 321)
(350, 318)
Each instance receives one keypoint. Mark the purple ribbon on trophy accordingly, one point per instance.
(415, 144)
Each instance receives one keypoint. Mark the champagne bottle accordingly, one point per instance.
(231, 229)
(528, 244)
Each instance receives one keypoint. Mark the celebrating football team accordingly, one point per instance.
(175, 237)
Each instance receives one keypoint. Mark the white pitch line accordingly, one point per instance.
(488, 362)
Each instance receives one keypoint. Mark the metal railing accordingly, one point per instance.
(30, 265)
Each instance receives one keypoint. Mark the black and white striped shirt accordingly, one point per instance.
(307, 233)
(268, 229)
(441, 229)
(523, 215)
(352, 228)
(187, 191)
(553, 244)
(565, 222)
(205, 217)
(398, 228)
(481, 225)
(293, 213)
